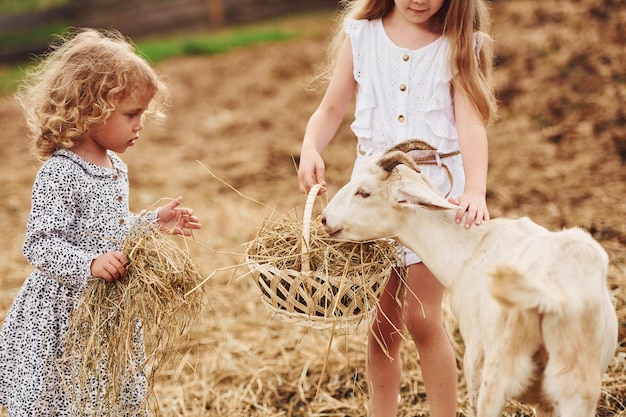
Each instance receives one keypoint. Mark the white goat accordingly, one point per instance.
(533, 306)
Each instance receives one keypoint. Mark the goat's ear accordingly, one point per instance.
(411, 193)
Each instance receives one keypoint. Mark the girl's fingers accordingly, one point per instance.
(306, 183)
(460, 212)
(172, 205)
(471, 217)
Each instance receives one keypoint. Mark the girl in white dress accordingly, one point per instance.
(420, 69)
(85, 102)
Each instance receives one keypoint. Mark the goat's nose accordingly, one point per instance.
(324, 220)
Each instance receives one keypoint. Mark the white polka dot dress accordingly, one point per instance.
(79, 211)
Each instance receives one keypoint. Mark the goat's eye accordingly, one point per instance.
(362, 193)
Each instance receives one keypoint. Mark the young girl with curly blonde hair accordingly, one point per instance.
(420, 69)
(84, 103)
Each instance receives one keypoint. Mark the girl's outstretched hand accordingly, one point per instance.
(177, 220)
(109, 266)
(473, 208)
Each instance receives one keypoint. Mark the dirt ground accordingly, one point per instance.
(556, 154)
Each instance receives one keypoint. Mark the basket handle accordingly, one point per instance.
(306, 227)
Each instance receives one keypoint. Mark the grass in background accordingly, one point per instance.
(37, 36)
(213, 41)
(11, 6)
(157, 50)
(161, 49)
(9, 78)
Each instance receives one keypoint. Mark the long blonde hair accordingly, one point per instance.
(458, 21)
(79, 83)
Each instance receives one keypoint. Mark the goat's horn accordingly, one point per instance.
(411, 145)
(392, 159)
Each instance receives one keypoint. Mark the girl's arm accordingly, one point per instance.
(46, 246)
(171, 219)
(474, 152)
(325, 121)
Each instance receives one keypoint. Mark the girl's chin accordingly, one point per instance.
(123, 149)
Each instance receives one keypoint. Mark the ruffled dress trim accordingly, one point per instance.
(365, 99)
(439, 119)
(439, 112)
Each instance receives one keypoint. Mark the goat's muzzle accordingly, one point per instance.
(332, 233)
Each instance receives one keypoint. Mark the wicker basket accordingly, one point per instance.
(306, 289)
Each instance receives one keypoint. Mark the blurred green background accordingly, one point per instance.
(160, 28)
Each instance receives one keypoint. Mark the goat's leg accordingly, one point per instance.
(507, 372)
(573, 375)
(576, 393)
(472, 368)
(492, 392)
(578, 407)
(575, 385)
(546, 410)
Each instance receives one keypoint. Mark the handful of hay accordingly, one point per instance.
(105, 357)
(308, 278)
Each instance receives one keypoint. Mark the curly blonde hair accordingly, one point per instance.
(458, 21)
(79, 82)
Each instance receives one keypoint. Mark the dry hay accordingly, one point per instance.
(159, 298)
(545, 162)
(308, 278)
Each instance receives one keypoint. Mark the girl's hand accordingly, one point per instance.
(473, 207)
(311, 171)
(109, 266)
(177, 220)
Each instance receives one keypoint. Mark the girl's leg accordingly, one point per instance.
(385, 372)
(425, 324)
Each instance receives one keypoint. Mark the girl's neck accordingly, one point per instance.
(94, 154)
(406, 34)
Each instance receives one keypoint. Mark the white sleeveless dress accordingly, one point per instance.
(404, 94)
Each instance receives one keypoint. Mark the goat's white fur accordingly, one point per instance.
(533, 306)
